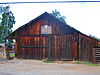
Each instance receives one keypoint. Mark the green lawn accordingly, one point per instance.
(48, 61)
(88, 63)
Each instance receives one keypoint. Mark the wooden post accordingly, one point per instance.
(94, 61)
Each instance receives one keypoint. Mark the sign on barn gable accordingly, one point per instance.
(46, 29)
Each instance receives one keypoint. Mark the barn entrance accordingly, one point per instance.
(97, 55)
(45, 46)
(31, 47)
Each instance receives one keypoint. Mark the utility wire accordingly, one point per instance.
(46, 2)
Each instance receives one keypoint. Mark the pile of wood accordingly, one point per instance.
(2, 51)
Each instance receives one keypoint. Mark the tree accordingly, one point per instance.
(57, 14)
(94, 37)
(7, 22)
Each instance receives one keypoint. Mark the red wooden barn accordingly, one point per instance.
(47, 37)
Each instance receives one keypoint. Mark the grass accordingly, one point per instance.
(77, 62)
(12, 55)
(87, 63)
(48, 61)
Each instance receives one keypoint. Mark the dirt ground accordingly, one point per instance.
(38, 67)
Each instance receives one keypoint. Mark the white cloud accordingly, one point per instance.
(87, 19)
(26, 12)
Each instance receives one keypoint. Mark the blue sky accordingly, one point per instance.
(83, 16)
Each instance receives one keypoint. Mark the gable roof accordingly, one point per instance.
(42, 15)
(37, 18)
(34, 20)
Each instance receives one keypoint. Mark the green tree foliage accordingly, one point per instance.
(57, 14)
(94, 37)
(7, 22)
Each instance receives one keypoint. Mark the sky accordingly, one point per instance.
(84, 17)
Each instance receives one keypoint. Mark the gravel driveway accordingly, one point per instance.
(38, 67)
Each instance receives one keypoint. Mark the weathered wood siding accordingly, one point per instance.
(34, 27)
(65, 42)
(61, 44)
(97, 54)
(51, 46)
(86, 45)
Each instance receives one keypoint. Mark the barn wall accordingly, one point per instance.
(65, 43)
(98, 43)
(35, 27)
(86, 45)
(61, 44)
(51, 46)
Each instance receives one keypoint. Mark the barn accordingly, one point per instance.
(47, 37)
